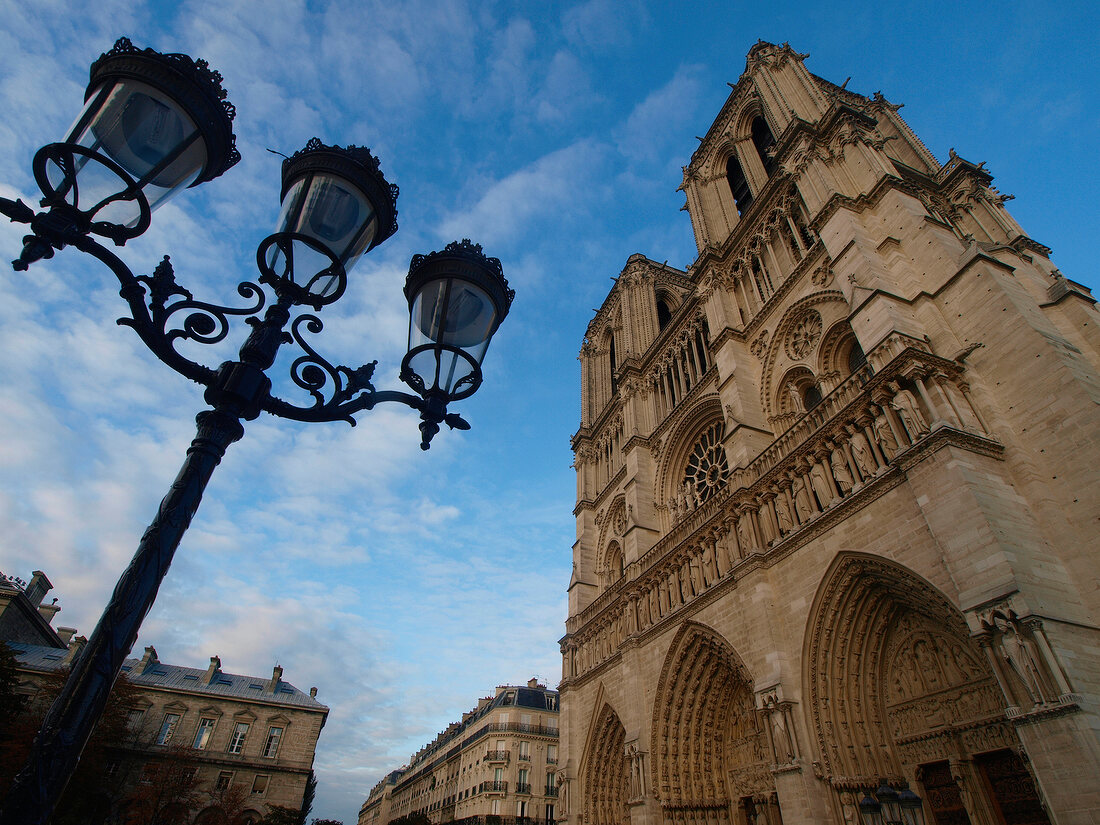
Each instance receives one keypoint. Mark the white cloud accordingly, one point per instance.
(647, 131)
(542, 191)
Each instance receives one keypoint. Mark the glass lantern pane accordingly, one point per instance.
(146, 133)
(461, 316)
(331, 211)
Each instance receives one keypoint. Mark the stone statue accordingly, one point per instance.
(710, 564)
(781, 736)
(697, 574)
(685, 580)
(783, 514)
(887, 441)
(744, 534)
(839, 464)
(796, 398)
(905, 403)
(821, 485)
(861, 452)
(802, 504)
(1018, 652)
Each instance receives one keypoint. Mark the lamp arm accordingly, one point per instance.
(336, 411)
(152, 311)
(340, 392)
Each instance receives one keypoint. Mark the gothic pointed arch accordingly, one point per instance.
(797, 340)
(692, 449)
(708, 744)
(604, 769)
(896, 686)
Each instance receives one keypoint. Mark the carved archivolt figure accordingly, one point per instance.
(861, 452)
(887, 441)
(906, 405)
(801, 499)
(839, 463)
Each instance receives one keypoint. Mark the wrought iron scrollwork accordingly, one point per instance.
(317, 376)
(154, 318)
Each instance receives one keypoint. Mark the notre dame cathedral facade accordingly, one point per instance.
(837, 499)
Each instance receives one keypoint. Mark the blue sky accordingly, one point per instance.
(406, 584)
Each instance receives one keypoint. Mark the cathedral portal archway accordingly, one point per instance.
(709, 764)
(897, 688)
(605, 772)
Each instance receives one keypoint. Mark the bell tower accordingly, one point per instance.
(833, 510)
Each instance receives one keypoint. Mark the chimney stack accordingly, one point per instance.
(48, 611)
(75, 646)
(276, 675)
(38, 588)
(212, 671)
(66, 634)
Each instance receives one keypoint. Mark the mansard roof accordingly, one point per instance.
(156, 674)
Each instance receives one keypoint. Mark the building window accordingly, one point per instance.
(259, 785)
(856, 357)
(236, 741)
(739, 184)
(549, 815)
(203, 734)
(496, 807)
(134, 719)
(664, 314)
(167, 728)
(763, 141)
(551, 783)
(224, 778)
(271, 747)
(525, 750)
(552, 754)
(811, 397)
(707, 468)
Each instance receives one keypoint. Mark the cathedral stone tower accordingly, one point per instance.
(836, 493)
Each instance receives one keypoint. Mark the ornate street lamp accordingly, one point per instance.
(154, 124)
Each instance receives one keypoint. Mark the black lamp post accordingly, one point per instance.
(154, 124)
(888, 806)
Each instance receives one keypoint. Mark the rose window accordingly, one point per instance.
(804, 335)
(707, 469)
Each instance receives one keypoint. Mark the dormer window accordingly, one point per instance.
(763, 140)
(739, 184)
